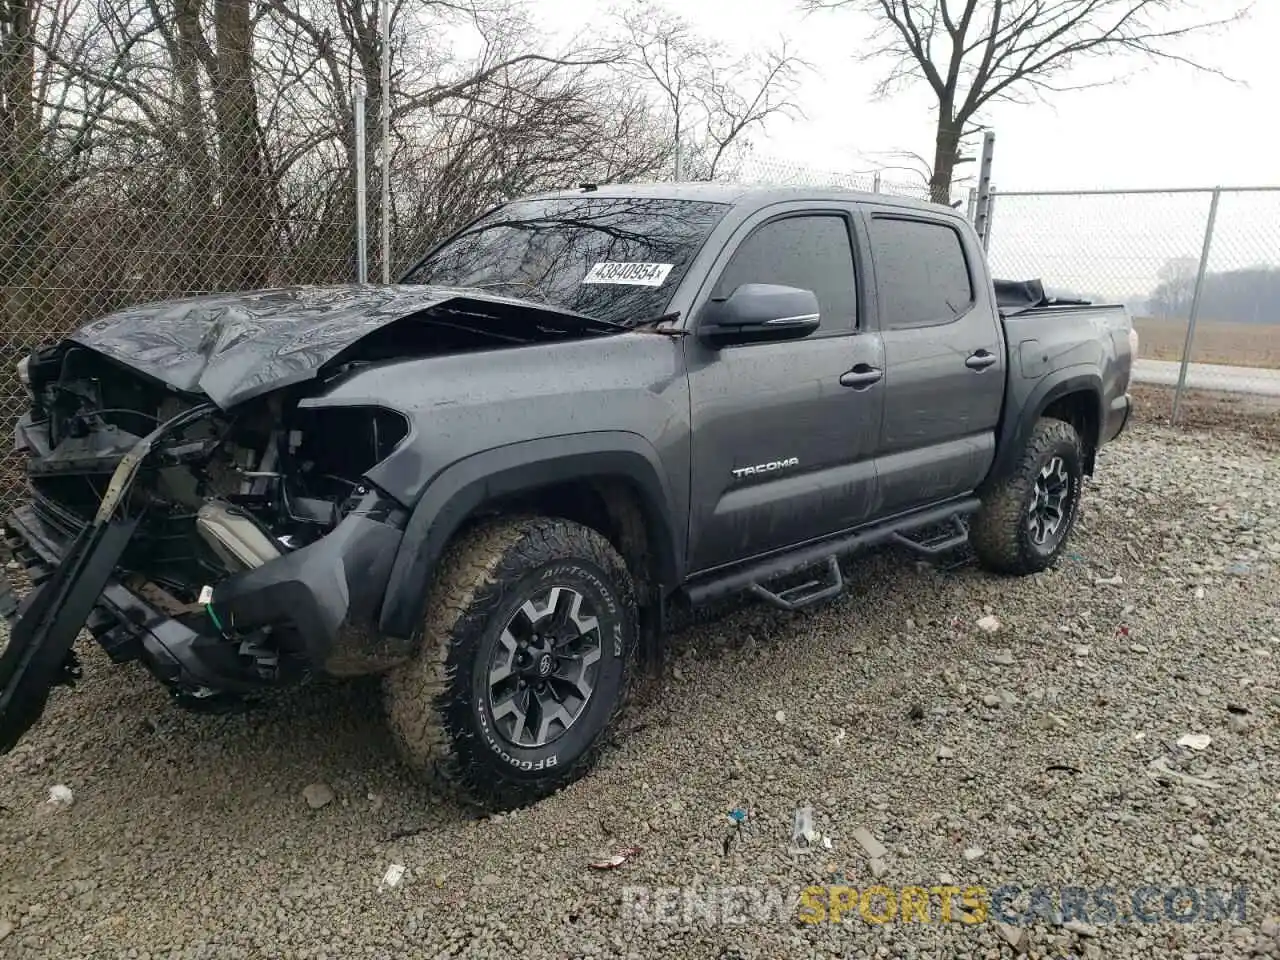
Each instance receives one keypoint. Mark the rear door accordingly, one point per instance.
(783, 452)
(944, 358)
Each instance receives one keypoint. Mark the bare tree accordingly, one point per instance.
(972, 53)
(152, 148)
(1176, 287)
(711, 100)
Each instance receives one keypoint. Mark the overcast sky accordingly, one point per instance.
(1168, 126)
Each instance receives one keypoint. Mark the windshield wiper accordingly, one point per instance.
(653, 325)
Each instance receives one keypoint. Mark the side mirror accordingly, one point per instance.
(757, 312)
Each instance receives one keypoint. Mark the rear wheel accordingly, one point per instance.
(1026, 519)
(525, 664)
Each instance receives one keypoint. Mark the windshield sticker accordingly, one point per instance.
(635, 274)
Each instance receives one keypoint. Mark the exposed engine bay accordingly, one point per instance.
(205, 495)
(230, 493)
(212, 504)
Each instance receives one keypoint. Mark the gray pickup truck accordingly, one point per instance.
(492, 480)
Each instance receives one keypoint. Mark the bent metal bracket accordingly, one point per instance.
(39, 654)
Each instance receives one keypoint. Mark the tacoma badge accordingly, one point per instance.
(769, 467)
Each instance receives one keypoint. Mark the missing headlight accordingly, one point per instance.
(333, 447)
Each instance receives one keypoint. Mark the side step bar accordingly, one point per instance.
(805, 594)
(752, 577)
(939, 545)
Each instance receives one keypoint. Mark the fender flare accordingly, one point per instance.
(1078, 378)
(455, 492)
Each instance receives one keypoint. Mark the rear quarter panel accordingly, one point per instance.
(1059, 350)
(1041, 341)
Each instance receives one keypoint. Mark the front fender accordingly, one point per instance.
(458, 490)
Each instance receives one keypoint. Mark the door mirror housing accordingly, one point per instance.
(758, 312)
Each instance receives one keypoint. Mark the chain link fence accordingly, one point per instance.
(166, 216)
(769, 171)
(1198, 269)
(169, 219)
(76, 244)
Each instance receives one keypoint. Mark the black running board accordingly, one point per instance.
(752, 576)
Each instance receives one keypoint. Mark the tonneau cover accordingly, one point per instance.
(1019, 296)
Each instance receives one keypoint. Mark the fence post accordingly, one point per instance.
(1195, 302)
(991, 217)
(385, 70)
(362, 212)
(982, 208)
(875, 184)
(971, 209)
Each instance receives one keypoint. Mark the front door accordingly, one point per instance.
(783, 450)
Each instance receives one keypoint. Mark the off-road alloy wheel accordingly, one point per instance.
(1025, 520)
(526, 661)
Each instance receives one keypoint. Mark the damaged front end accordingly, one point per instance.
(227, 550)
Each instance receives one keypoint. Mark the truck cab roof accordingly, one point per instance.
(738, 194)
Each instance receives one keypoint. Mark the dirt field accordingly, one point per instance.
(1257, 418)
(1242, 344)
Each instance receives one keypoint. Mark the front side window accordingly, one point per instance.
(618, 259)
(812, 252)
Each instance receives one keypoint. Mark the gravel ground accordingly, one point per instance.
(191, 837)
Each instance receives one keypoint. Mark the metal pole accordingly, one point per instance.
(875, 184)
(385, 58)
(1195, 301)
(973, 204)
(981, 211)
(362, 213)
(991, 216)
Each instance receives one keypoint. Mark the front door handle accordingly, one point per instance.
(980, 360)
(861, 376)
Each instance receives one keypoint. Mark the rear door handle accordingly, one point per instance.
(980, 360)
(861, 376)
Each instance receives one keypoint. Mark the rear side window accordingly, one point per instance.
(812, 252)
(921, 273)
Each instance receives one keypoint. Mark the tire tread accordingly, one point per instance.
(471, 580)
(996, 530)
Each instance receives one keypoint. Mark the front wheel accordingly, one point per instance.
(525, 663)
(1025, 520)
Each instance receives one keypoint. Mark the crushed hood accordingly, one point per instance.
(235, 346)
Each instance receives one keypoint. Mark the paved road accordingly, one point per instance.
(1210, 376)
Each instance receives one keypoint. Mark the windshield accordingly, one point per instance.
(617, 259)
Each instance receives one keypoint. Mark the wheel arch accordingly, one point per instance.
(610, 480)
(1073, 394)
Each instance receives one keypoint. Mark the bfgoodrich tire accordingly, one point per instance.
(1025, 520)
(526, 662)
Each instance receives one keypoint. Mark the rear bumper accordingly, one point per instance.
(1117, 417)
(312, 610)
